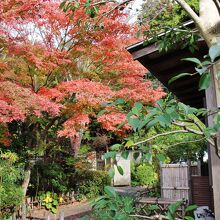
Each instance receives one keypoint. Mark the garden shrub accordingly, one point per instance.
(11, 193)
(47, 176)
(143, 175)
(113, 206)
(91, 183)
(67, 175)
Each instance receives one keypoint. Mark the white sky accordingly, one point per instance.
(132, 8)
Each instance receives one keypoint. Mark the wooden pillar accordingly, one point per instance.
(214, 161)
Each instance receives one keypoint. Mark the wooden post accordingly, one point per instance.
(23, 211)
(14, 216)
(189, 181)
(199, 168)
(161, 180)
(47, 216)
(61, 215)
(214, 161)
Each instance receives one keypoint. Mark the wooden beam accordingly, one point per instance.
(144, 51)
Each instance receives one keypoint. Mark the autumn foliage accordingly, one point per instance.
(55, 65)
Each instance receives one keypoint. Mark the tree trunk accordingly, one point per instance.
(27, 176)
(25, 183)
(209, 26)
(76, 142)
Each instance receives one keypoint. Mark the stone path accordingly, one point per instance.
(71, 212)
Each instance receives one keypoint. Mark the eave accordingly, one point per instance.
(165, 65)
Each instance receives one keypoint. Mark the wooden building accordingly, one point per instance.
(165, 65)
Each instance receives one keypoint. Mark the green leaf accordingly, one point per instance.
(174, 206)
(109, 190)
(121, 216)
(204, 81)
(135, 111)
(110, 154)
(206, 62)
(120, 170)
(138, 105)
(115, 147)
(48, 193)
(55, 202)
(201, 70)
(134, 122)
(96, 8)
(53, 210)
(136, 155)
(164, 119)
(62, 4)
(76, 5)
(111, 172)
(137, 108)
(190, 208)
(148, 156)
(112, 206)
(153, 207)
(170, 216)
(48, 205)
(102, 112)
(183, 107)
(214, 52)
(174, 115)
(192, 110)
(161, 157)
(151, 123)
(217, 118)
(119, 101)
(194, 60)
(188, 218)
(160, 102)
(122, 124)
(129, 143)
(104, 104)
(86, 217)
(178, 77)
(99, 203)
(125, 154)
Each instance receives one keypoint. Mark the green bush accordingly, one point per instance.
(143, 175)
(91, 183)
(11, 193)
(113, 206)
(48, 176)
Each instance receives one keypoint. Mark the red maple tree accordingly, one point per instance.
(67, 65)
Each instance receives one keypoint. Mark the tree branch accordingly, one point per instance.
(187, 142)
(159, 135)
(183, 125)
(190, 130)
(217, 4)
(154, 217)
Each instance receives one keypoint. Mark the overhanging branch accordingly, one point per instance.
(217, 4)
(159, 135)
(187, 142)
(190, 12)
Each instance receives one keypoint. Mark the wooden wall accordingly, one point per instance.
(175, 182)
(201, 191)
